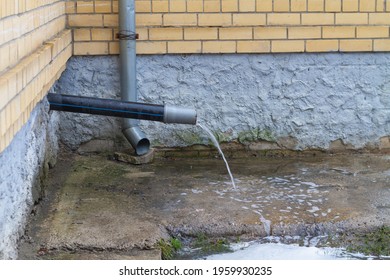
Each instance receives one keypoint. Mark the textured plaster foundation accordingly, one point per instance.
(297, 101)
(22, 166)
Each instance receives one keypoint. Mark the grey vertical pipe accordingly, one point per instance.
(128, 75)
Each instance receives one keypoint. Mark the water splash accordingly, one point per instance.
(266, 223)
(216, 144)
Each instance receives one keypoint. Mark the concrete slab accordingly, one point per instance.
(101, 205)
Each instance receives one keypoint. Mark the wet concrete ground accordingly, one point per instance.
(98, 208)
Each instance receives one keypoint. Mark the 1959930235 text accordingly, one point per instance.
(214, 271)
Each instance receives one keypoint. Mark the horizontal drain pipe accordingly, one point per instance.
(123, 109)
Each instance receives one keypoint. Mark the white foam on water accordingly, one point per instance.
(278, 251)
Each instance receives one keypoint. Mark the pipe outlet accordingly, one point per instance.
(174, 114)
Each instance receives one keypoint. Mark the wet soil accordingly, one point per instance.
(99, 208)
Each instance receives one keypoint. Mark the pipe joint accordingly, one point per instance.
(174, 114)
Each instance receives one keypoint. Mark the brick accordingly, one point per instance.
(249, 19)
(180, 20)
(143, 6)
(235, 33)
(185, 47)
(2, 37)
(110, 20)
(215, 19)
(229, 5)
(3, 125)
(177, 6)
(298, 5)
(315, 5)
(160, 6)
(84, 6)
(12, 84)
(70, 7)
(367, 5)
(270, 33)
(211, 6)
(355, 45)
(4, 57)
(264, 6)
(379, 18)
(201, 33)
(18, 70)
(338, 32)
(143, 34)
(281, 5)
(287, 46)
(194, 6)
(253, 46)
(382, 45)
(304, 32)
(13, 53)
(151, 48)
(85, 20)
(219, 47)
(283, 19)
(317, 19)
(170, 33)
(149, 20)
(322, 45)
(247, 6)
(380, 6)
(82, 34)
(102, 34)
(103, 7)
(90, 48)
(115, 7)
(22, 6)
(332, 5)
(372, 31)
(15, 109)
(351, 18)
(350, 5)
(113, 48)
(3, 92)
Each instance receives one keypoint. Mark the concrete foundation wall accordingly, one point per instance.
(293, 101)
(22, 167)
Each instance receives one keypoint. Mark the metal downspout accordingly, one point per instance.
(128, 74)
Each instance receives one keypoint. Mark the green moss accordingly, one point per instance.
(255, 135)
(222, 137)
(376, 243)
(208, 246)
(188, 137)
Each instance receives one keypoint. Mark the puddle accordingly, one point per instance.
(290, 248)
(100, 203)
(278, 251)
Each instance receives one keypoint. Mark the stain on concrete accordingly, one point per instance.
(102, 205)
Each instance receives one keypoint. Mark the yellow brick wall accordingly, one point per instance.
(235, 26)
(34, 48)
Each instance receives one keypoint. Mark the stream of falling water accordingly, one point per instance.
(216, 144)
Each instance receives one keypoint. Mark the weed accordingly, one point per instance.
(209, 246)
(169, 248)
